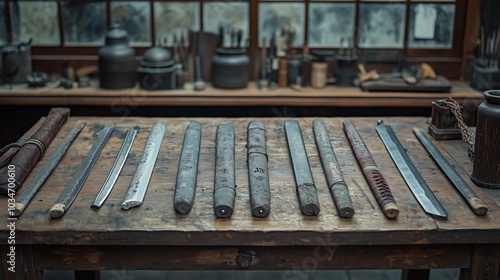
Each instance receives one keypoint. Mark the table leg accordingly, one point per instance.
(485, 262)
(87, 275)
(415, 274)
(18, 263)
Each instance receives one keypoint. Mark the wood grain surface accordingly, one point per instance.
(155, 222)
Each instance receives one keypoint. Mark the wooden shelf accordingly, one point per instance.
(250, 96)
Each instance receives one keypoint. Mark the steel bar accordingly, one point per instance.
(140, 181)
(258, 175)
(115, 169)
(415, 182)
(477, 205)
(374, 177)
(31, 152)
(185, 185)
(24, 199)
(306, 189)
(224, 186)
(333, 173)
(76, 183)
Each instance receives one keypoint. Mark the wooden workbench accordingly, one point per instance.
(250, 96)
(153, 236)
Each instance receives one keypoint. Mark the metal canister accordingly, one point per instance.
(486, 168)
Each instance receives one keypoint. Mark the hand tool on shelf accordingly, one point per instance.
(415, 182)
(115, 169)
(76, 183)
(306, 188)
(140, 181)
(477, 205)
(224, 185)
(185, 184)
(24, 199)
(258, 175)
(373, 175)
(333, 173)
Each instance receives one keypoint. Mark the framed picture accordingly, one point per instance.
(274, 16)
(331, 24)
(3, 24)
(431, 26)
(135, 18)
(381, 25)
(84, 23)
(37, 20)
(230, 15)
(175, 18)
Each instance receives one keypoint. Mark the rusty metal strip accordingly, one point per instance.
(225, 187)
(258, 175)
(333, 173)
(373, 176)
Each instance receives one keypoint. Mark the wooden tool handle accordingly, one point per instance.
(57, 210)
(478, 206)
(19, 209)
(342, 200)
(391, 210)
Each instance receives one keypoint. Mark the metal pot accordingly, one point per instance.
(16, 62)
(157, 71)
(230, 68)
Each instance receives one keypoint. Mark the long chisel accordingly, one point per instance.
(185, 185)
(258, 174)
(24, 199)
(139, 185)
(306, 189)
(472, 199)
(76, 183)
(415, 182)
(333, 173)
(224, 185)
(116, 169)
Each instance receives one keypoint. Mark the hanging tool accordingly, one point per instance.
(306, 189)
(115, 169)
(224, 185)
(258, 174)
(415, 182)
(333, 173)
(374, 177)
(185, 185)
(139, 185)
(472, 199)
(76, 183)
(24, 199)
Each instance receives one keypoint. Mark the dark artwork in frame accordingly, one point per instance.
(36, 20)
(274, 16)
(230, 15)
(135, 18)
(330, 24)
(175, 19)
(381, 25)
(431, 25)
(84, 23)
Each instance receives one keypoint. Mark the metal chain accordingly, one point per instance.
(464, 131)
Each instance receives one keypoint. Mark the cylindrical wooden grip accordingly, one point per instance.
(477, 206)
(283, 73)
(57, 211)
(309, 203)
(29, 155)
(224, 188)
(332, 171)
(258, 170)
(318, 75)
(374, 177)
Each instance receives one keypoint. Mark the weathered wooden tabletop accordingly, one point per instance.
(157, 223)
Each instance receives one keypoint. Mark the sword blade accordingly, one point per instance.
(116, 169)
(140, 181)
(82, 172)
(470, 196)
(24, 199)
(415, 182)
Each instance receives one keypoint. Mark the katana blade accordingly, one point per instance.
(82, 172)
(116, 169)
(24, 199)
(139, 185)
(472, 199)
(415, 182)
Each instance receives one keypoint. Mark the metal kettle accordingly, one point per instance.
(16, 62)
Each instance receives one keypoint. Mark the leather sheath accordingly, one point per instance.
(29, 154)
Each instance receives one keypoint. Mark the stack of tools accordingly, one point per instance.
(345, 66)
(485, 68)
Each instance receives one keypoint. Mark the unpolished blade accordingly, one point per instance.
(24, 199)
(116, 169)
(140, 181)
(82, 172)
(417, 185)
